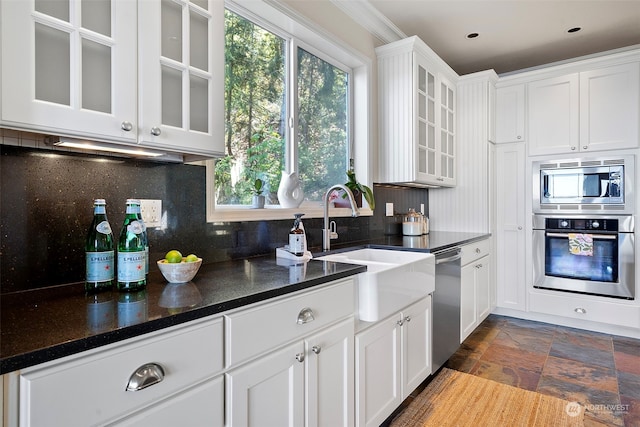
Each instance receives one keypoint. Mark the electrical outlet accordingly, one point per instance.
(422, 208)
(151, 211)
(389, 209)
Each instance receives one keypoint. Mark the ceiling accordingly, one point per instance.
(512, 34)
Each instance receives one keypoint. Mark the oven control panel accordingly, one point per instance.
(595, 224)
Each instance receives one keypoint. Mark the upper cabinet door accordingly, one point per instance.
(69, 66)
(609, 107)
(510, 107)
(554, 115)
(181, 66)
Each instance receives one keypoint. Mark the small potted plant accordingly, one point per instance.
(358, 190)
(258, 197)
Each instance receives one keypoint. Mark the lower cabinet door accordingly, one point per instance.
(416, 341)
(202, 405)
(330, 377)
(268, 391)
(378, 388)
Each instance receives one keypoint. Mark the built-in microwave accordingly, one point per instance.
(581, 185)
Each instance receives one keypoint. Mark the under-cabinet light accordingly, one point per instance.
(108, 147)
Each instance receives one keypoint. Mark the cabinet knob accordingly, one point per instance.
(155, 131)
(300, 357)
(519, 227)
(518, 137)
(584, 147)
(580, 310)
(478, 250)
(145, 376)
(573, 148)
(478, 266)
(126, 126)
(400, 322)
(316, 349)
(407, 319)
(305, 316)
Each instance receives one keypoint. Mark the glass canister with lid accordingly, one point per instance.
(412, 223)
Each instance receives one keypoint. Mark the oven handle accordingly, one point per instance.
(595, 236)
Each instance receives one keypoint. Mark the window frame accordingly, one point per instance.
(273, 16)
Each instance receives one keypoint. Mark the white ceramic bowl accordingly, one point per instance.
(179, 272)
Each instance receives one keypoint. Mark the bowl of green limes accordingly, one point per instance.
(178, 269)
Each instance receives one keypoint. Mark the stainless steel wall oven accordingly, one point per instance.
(587, 255)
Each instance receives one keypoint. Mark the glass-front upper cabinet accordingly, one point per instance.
(181, 74)
(447, 133)
(68, 67)
(426, 103)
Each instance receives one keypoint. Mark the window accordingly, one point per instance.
(288, 108)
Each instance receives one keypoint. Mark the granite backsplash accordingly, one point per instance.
(46, 203)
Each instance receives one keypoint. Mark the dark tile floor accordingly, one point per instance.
(600, 371)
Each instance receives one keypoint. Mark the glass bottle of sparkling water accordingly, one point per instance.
(145, 236)
(131, 251)
(99, 251)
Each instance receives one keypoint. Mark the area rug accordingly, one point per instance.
(457, 399)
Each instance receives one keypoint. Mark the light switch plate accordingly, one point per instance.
(151, 211)
(389, 209)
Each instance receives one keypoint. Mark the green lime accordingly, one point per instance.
(173, 256)
(191, 258)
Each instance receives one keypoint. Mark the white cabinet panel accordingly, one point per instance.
(61, 76)
(510, 226)
(91, 390)
(378, 388)
(330, 377)
(475, 297)
(417, 113)
(510, 114)
(393, 357)
(610, 107)
(268, 391)
(201, 405)
(553, 111)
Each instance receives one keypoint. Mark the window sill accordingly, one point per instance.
(235, 214)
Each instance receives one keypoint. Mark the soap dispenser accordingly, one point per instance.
(297, 237)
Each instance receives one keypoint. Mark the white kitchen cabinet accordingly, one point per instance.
(586, 111)
(181, 75)
(475, 295)
(393, 357)
(145, 73)
(510, 114)
(610, 107)
(553, 115)
(200, 405)
(510, 226)
(291, 361)
(91, 388)
(69, 67)
(417, 115)
(585, 308)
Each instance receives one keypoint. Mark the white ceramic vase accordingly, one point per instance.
(290, 193)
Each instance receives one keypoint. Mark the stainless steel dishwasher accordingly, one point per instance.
(446, 306)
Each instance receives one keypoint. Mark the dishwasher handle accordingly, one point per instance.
(457, 254)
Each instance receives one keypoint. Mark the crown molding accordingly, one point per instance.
(363, 12)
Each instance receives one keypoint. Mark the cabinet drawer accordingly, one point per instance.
(256, 330)
(584, 308)
(475, 251)
(91, 390)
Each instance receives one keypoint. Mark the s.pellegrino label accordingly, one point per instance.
(131, 251)
(99, 251)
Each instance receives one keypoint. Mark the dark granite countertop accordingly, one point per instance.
(49, 323)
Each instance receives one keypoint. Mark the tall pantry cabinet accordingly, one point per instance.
(145, 73)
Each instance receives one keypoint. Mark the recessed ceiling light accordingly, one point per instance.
(574, 30)
(472, 35)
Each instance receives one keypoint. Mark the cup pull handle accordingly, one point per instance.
(305, 316)
(145, 376)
